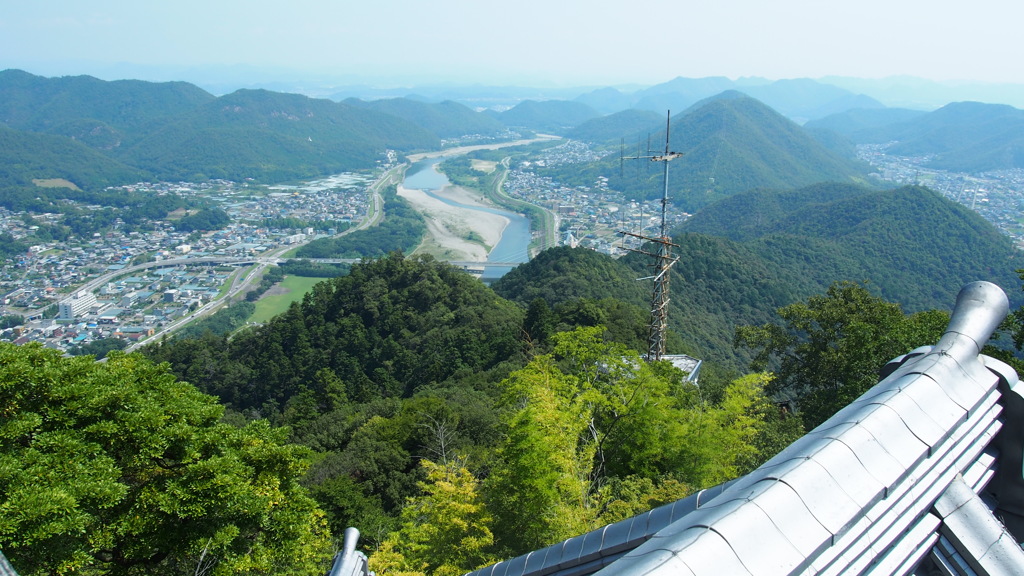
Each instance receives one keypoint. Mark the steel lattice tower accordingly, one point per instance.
(663, 260)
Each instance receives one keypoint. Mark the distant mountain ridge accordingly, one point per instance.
(732, 143)
(447, 119)
(548, 116)
(177, 131)
(272, 136)
(961, 137)
(800, 99)
(915, 246)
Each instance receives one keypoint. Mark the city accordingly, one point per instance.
(131, 285)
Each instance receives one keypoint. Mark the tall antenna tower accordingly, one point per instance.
(663, 258)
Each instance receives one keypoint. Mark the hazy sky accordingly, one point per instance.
(552, 42)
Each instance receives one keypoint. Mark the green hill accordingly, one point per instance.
(730, 144)
(961, 137)
(28, 157)
(858, 124)
(101, 114)
(271, 136)
(175, 131)
(562, 274)
(744, 257)
(445, 120)
(914, 246)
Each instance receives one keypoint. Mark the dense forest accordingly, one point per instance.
(454, 423)
(408, 375)
(454, 427)
(401, 229)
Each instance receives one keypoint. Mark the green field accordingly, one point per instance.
(278, 298)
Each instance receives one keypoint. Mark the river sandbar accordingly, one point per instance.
(455, 233)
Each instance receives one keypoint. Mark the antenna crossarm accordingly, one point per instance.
(648, 238)
(666, 157)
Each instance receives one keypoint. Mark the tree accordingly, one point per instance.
(831, 348)
(594, 433)
(118, 468)
(445, 531)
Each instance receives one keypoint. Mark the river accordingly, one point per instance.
(515, 239)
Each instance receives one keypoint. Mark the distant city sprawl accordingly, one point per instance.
(997, 195)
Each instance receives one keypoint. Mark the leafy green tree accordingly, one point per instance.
(539, 490)
(594, 435)
(118, 468)
(831, 348)
(445, 531)
(98, 348)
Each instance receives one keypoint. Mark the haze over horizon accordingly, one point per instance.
(531, 42)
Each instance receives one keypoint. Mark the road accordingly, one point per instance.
(243, 281)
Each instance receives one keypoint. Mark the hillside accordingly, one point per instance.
(29, 156)
(730, 144)
(447, 119)
(175, 131)
(99, 113)
(548, 116)
(912, 245)
(742, 258)
(961, 137)
(271, 136)
(859, 124)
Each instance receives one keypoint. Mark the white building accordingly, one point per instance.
(77, 305)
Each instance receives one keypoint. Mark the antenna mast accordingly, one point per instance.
(663, 259)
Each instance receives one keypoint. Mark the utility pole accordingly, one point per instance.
(663, 258)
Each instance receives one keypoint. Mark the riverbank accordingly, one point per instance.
(455, 233)
(413, 158)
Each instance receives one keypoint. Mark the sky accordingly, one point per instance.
(525, 42)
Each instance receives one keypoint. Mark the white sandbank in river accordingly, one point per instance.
(449, 226)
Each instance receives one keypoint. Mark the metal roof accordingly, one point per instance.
(912, 477)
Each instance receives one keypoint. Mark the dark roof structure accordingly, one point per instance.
(921, 475)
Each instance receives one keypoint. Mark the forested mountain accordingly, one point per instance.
(175, 131)
(271, 136)
(447, 119)
(29, 156)
(860, 124)
(548, 116)
(730, 144)
(742, 258)
(913, 246)
(561, 274)
(409, 368)
(961, 137)
(101, 114)
(736, 144)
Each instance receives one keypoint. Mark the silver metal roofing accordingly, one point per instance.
(911, 478)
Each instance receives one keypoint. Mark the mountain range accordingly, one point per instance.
(735, 135)
(960, 137)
